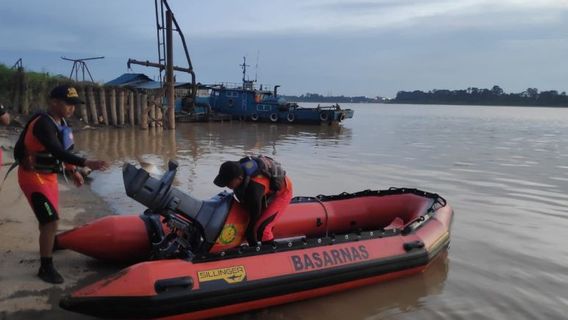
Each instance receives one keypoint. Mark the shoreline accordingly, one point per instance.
(22, 294)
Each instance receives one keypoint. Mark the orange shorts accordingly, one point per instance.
(42, 192)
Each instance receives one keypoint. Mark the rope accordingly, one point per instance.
(326, 215)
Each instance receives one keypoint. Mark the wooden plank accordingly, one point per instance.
(131, 106)
(138, 108)
(152, 102)
(121, 109)
(113, 107)
(92, 105)
(102, 99)
(83, 107)
(144, 113)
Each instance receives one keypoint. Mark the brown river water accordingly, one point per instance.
(504, 170)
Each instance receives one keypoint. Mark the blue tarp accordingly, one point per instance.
(139, 81)
(129, 79)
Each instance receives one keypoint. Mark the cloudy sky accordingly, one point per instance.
(349, 47)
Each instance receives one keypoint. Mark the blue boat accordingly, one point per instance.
(245, 102)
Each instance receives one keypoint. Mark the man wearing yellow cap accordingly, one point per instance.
(43, 149)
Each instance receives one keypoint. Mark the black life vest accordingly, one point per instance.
(265, 166)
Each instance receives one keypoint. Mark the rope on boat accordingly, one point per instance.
(326, 216)
(439, 201)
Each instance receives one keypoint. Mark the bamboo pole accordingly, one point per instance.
(102, 95)
(113, 106)
(121, 110)
(131, 106)
(144, 113)
(83, 107)
(92, 105)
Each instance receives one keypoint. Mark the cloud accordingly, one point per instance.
(344, 47)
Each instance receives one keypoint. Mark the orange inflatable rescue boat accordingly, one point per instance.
(195, 266)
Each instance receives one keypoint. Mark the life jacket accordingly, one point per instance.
(266, 167)
(41, 160)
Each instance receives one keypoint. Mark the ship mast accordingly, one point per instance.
(244, 66)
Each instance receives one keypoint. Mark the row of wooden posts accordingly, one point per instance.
(115, 106)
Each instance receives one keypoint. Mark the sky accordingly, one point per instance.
(332, 47)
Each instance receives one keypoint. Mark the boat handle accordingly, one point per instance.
(173, 283)
(408, 246)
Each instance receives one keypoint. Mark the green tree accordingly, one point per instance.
(496, 90)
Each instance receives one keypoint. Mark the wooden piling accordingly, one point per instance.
(102, 95)
(152, 104)
(159, 117)
(138, 108)
(144, 112)
(83, 107)
(131, 106)
(113, 107)
(92, 105)
(121, 110)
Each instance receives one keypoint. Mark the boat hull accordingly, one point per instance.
(128, 238)
(241, 280)
(257, 284)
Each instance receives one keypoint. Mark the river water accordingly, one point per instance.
(504, 170)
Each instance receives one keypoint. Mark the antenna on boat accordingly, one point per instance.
(256, 67)
(244, 66)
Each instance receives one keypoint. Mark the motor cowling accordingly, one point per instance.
(158, 195)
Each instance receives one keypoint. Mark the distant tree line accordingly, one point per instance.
(314, 97)
(26, 91)
(476, 96)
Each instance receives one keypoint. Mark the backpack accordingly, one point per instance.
(266, 166)
(19, 148)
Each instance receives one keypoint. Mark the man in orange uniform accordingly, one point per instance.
(4, 120)
(43, 148)
(262, 186)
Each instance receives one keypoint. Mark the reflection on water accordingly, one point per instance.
(388, 300)
(199, 148)
(503, 169)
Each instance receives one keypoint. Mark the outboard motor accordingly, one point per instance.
(202, 220)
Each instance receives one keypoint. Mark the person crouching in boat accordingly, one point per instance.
(264, 189)
(41, 151)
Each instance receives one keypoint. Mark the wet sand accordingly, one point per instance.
(22, 294)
